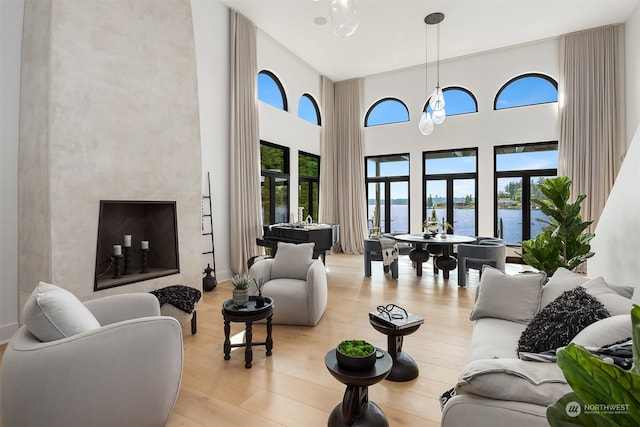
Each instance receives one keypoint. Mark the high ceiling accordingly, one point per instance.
(391, 34)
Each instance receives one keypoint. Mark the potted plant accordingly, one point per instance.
(563, 241)
(431, 224)
(356, 355)
(241, 283)
(259, 298)
(603, 394)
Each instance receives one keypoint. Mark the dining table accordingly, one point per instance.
(444, 261)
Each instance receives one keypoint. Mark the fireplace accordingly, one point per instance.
(137, 241)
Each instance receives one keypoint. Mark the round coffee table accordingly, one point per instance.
(404, 367)
(356, 409)
(247, 314)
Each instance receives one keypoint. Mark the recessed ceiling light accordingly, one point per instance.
(319, 20)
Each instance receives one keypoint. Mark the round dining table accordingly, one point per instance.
(419, 254)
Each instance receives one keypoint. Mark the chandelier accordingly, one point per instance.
(344, 17)
(436, 100)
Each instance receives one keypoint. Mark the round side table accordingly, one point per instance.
(404, 367)
(356, 409)
(247, 314)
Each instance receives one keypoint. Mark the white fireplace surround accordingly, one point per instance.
(105, 115)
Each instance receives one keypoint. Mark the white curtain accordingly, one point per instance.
(245, 200)
(342, 175)
(590, 126)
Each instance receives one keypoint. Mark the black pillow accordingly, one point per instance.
(561, 320)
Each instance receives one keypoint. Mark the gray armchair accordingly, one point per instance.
(486, 251)
(296, 283)
(127, 372)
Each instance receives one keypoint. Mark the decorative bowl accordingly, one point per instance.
(356, 355)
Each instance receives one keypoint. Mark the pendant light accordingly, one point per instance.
(344, 17)
(436, 101)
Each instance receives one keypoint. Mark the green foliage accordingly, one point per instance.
(355, 348)
(563, 241)
(606, 394)
(241, 281)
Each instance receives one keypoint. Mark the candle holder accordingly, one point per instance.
(145, 254)
(116, 267)
(126, 271)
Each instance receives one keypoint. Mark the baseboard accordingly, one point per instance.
(7, 331)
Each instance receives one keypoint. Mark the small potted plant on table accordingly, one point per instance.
(356, 355)
(241, 283)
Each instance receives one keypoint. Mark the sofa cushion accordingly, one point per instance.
(605, 331)
(564, 280)
(292, 261)
(509, 297)
(561, 320)
(494, 339)
(513, 379)
(52, 313)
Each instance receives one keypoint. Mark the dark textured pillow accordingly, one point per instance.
(561, 320)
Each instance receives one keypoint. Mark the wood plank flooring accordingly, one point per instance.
(293, 387)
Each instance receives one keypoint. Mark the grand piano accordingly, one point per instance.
(323, 235)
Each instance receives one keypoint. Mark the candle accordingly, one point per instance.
(117, 250)
(127, 240)
(144, 244)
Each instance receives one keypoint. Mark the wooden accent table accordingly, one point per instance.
(356, 409)
(248, 314)
(404, 367)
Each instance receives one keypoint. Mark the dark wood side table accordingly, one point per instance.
(404, 367)
(248, 314)
(356, 409)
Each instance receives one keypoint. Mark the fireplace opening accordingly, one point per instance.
(137, 241)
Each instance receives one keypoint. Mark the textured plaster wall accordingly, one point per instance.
(121, 123)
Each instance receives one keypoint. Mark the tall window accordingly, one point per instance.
(309, 184)
(518, 169)
(386, 111)
(450, 187)
(527, 89)
(388, 191)
(271, 91)
(274, 162)
(308, 109)
(458, 100)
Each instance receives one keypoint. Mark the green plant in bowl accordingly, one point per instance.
(356, 355)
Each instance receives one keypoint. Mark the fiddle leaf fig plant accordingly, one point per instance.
(603, 394)
(563, 241)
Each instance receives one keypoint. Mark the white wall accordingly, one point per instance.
(11, 13)
(632, 73)
(483, 75)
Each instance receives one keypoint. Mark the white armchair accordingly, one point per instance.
(296, 283)
(126, 372)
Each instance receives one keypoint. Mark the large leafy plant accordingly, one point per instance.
(563, 241)
(603, 394)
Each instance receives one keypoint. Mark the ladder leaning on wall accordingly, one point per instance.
(209, 257)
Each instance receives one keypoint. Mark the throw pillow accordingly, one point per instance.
(510, 297)
(513, 379)
(564, 280)
(52, 313)
(561, 320)
(636, 296)
(292, 261)
(605, 331)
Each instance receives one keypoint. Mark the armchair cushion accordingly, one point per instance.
(52, 313)
(292, 261)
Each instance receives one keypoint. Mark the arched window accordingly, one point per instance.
(308, 109)
(457, 100)
(386, 111)
(526, 89)
(270, 90)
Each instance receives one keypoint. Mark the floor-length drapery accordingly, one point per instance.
(244, 180)
(590, 127)
(327, 205)
(343, 200)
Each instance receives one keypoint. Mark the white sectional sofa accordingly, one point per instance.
(496, 388)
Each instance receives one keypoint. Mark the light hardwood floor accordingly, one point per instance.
(293, 387)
